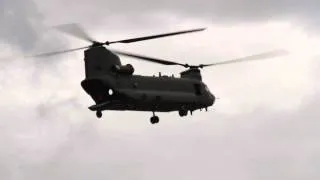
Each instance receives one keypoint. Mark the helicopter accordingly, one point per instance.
(115, 87)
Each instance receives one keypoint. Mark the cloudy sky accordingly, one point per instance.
(264, 126)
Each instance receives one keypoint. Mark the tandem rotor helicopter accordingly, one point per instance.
(114, 86)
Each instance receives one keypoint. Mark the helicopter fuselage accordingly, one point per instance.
(147, 93)
(114, 86)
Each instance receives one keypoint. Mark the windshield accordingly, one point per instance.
(206, 88)
(208, 91)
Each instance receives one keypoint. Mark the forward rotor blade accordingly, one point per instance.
(156, 36)
(150, 59)
(75, 30)
(58, 52)
(261, 56)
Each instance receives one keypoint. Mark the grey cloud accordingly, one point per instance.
(18, 23)
(140, 12)
(23, 28)
(261, 145)
(24, 22)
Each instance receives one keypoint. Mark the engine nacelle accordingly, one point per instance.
(192, 74)
(125, 69)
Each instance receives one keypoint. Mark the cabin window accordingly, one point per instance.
(197, 89)
(110, 92)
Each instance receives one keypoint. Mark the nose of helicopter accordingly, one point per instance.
(212, 99)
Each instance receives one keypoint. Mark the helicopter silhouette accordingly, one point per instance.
(114, 86)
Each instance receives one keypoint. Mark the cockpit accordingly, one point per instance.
(208, 91)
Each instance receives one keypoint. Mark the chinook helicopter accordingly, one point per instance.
(114, 86)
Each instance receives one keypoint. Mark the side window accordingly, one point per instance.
(197, 89)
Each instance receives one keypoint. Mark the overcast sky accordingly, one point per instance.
(264, 126)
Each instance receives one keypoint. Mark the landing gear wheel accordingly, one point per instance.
(154, 120)
(99, 114)
(183, 113)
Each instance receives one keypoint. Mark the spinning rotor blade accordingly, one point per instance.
(155, 36)
(150, 59)
(261, 56)
(75, 30)
(59, 52)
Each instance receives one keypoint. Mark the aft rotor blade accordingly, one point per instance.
(150, 59)
(261, 56)
(75, 30)
(156, 36)
(58, 52)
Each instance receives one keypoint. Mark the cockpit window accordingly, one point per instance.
(208, 91)
(206, 88)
